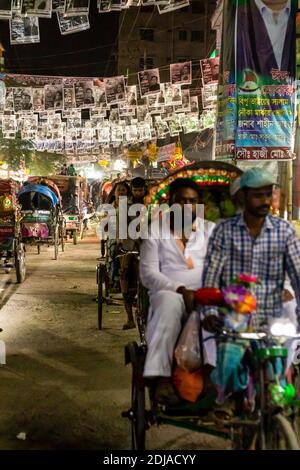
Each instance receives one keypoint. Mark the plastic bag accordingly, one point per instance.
(188, 385)
(187, 352)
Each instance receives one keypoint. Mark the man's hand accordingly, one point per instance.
(188, 298)
(213, 324)
(287, 296)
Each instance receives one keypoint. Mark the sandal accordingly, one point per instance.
(129, 325)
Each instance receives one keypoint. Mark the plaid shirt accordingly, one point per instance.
(271, 256)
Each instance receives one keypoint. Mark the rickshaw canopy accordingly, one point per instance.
(41, 189)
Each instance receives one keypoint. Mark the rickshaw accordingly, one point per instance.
(74, 194)
(41, 216)
(62, 225)
(271, 423)
(12, 250)
(102, 276)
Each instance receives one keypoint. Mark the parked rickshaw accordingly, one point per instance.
(271, 423)
(41, 216)
(62, 224)
(12, 251)
(74, 195)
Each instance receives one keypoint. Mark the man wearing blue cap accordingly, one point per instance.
(257, 243)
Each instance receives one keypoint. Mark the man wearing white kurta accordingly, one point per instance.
(171, 268)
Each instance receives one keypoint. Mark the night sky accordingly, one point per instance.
(91, 50)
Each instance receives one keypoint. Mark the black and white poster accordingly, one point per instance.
(72, 24)
(115, 89)
(100, 96)
(104, 6)
(173, 5)
(209, 95)
(22, 99)
(185, 105)
(131, 96)
(53, 97)
(41, 8)
(16, 6)
(194, 104)
(38, 99)
(114, 115)
(173, 95)
(84, 94)
(58, 5)
(69, 97)
(210, 70)
(149, 81)
(77, 7)
(24, 30)
(116, 5)
(5, 9)
(181, 73)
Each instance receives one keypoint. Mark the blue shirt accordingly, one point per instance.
(271, 256)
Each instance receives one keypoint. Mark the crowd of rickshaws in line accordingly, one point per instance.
(274, 420)
(49, 210)
(42, 211)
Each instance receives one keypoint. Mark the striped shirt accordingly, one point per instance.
(271, 256)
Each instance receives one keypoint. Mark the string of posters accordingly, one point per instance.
(81, 114)
(72, 15)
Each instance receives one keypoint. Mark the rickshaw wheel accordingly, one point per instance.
(20, 263)
(281, 435)
(75, 237)
(62, 238)
(138, 412)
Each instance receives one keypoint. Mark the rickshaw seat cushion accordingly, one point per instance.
(33, 229)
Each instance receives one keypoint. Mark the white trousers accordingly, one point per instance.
(165, 320)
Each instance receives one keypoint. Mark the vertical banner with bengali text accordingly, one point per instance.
(265, 75)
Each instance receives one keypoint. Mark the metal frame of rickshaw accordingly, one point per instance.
(103, 295)
(241, 430)
(53, 223)
(73, 219)
(15, 249)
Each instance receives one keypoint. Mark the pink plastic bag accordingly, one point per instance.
(187, 351)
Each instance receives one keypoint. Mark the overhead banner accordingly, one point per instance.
(260, 88)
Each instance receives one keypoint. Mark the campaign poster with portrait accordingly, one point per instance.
(72, 24)
(38, 99)
(16, 6)
(185, 105)
(181, 73)
(172, 6)
(265, 77)
(100, 95)
(210, 70)
(53, 97)
(40, 8)
(194, 104)
(104, 6)
(22, 99)
(149, 82)
(5, 9)
(24, 30)
(76, 7)
(114, 89)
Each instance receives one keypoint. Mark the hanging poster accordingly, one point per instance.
(114, 89)
(41, 8)
(149, 81)
(72, 24)
(24, 30)
(173, 5)
(210, 70)
(53, 97)
(181, 73)
(76, 7)
(265, 71)
(5, 9)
